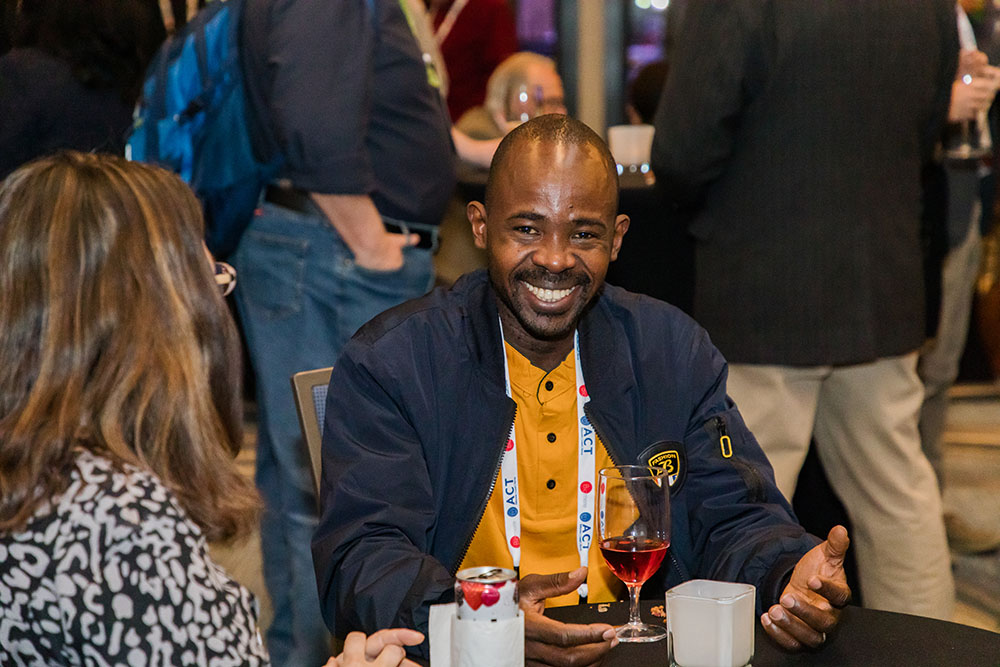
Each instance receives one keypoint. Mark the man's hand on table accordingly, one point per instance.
(549, 642)
(810, 605)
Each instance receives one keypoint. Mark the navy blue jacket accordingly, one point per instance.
(416, 422)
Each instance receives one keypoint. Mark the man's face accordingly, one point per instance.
(550, 234)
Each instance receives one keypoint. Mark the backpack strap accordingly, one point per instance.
(201, 53)
(158, 102)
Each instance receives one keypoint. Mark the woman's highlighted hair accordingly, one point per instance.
(114, 338)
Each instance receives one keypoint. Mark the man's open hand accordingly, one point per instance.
(549, 642)
(810, 605)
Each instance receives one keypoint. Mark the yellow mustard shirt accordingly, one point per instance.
(547, 456)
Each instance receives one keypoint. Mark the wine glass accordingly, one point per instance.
(972, 139)
(634, 517)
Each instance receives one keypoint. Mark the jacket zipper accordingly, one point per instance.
(725, 443)
(677, 567)
(751, 478)
(486, 498)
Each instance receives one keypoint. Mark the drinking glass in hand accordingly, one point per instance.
(634, 517)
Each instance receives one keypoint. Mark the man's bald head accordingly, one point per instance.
(554, 128)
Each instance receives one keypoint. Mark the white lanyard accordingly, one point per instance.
(586, 463)
(448, 22)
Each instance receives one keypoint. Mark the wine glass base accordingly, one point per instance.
(640, 633)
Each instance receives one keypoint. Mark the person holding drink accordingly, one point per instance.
(967, 146)
(468, 428)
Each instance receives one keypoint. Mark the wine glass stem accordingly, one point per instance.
(633, 604)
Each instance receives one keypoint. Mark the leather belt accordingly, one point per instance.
(299, 201)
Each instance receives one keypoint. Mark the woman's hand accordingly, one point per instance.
(384, 649)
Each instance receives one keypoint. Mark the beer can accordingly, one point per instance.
(486, 593)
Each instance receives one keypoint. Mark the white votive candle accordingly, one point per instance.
(710, 624)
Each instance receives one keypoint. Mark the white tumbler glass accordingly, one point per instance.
(710, 624)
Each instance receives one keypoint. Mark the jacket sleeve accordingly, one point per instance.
(740, 526)
(717, 60)
(370, 548)
(946, 74)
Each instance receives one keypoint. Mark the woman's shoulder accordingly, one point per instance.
(479, 124)
(102, 492)
(108, 511)
(114, 554)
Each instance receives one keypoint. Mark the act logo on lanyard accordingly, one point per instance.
(586, 462)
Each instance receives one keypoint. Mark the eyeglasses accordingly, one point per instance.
(225, 278)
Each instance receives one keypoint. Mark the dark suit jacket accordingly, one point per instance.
(797, 130)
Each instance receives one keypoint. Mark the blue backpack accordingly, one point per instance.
(192, 119)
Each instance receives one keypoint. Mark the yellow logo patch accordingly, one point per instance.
(669, 460)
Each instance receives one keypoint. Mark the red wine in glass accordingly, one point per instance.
(633, 560)
(634, 528)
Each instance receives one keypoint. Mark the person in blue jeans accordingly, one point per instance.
(343, 92)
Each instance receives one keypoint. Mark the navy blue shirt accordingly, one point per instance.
(346, 97)
(44, 108)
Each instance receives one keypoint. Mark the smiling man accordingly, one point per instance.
(465, 428)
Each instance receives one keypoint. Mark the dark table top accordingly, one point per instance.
(865, 637)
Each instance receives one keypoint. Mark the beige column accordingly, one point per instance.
(590, 63)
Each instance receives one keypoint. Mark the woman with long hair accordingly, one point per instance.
(120, 417)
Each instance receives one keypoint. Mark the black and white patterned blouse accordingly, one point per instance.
(114, 573)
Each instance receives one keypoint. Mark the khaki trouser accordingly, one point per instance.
(939, 360)
(864, 421)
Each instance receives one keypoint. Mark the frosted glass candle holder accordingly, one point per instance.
(631, 146)
(710, 624)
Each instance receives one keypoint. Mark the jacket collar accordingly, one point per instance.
(607, 358)
(483, 332)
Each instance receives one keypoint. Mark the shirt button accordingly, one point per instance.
(548, 385)
(551, 484)
(551, 437)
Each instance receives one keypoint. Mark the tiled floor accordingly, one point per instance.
(972, 465)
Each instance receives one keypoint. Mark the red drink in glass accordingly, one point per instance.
(633, 560)
(634, 528)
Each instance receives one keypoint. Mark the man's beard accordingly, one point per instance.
(531, 321)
